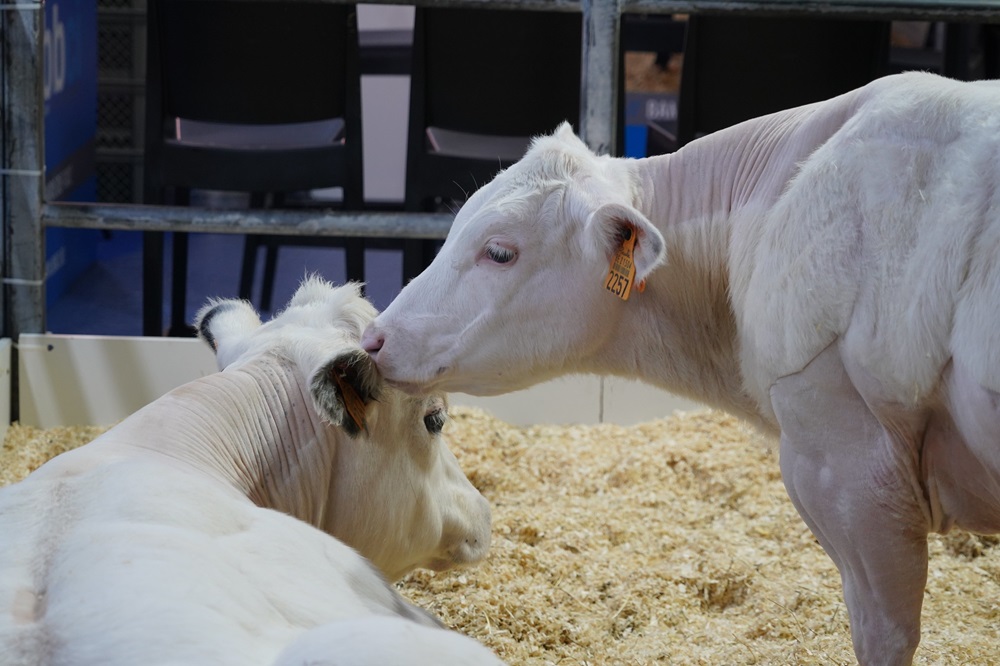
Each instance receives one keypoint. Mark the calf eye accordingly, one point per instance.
(499, 253)
(434, 421)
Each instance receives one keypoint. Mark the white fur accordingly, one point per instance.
(218, 525)
(829, 272)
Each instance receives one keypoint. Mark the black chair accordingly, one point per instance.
(740, 67)
(483, 83)
(258, 97)
(972, 51)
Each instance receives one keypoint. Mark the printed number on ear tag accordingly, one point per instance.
(353, 403)
(622, 273)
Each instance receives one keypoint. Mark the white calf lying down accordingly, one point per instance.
(198, 531)
(830, 272)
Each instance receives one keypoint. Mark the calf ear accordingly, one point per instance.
(344, 387)
(612, 223)
(221, 323)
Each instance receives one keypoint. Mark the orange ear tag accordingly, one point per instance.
(622, 272)
(353, 403)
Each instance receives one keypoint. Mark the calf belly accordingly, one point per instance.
(961, 455)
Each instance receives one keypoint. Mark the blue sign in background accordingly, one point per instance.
(642, 110)
(70, 82)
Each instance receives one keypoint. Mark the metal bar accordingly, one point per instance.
(599, 113)
(981, 10)
(599, 78)
(32, 173)
(23, 182)
(984, 11)
(279, 222)
(540, 5)
(536, 5)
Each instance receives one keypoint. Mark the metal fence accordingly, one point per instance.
(25, 213)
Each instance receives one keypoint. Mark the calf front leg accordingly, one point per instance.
(855, 485)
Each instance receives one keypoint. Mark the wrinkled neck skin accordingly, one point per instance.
(245, 429)
(681, 332)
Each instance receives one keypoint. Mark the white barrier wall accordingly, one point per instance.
(98, 380)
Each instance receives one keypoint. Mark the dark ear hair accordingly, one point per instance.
(224, 324)
(343, 388)
(204, 322)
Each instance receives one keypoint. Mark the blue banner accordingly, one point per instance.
(70, 83)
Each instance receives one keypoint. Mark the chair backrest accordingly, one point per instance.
(498, 72)
(486, 73)
(285, 71)
(737, 68)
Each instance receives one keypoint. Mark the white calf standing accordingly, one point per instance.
(198, 531)
(829, 272)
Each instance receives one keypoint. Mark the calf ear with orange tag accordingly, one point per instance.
(353, 404)
(621, 275)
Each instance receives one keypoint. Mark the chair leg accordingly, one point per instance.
(354, 259)
(417, 255)
(152, 283)
(412, 260)
(270, 268)
(958, 47)
(431, 248)
(991, 51)
(250, 244)
(178, 297)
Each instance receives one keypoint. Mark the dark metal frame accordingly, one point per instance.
(26, 214)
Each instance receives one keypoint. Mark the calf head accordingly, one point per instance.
(392, 489)
(518, 292)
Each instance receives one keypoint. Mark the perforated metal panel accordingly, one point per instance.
(121, 46)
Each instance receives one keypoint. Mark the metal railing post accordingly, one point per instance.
(599, 80)
(22, 168)
(22, 177)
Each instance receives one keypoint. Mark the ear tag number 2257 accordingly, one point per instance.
(622, 273)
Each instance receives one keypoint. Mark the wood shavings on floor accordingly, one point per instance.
(668, 542)
(25, 449)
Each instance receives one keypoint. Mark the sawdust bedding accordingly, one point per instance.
(667, 542)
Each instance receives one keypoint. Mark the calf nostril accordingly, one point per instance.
(372, 341)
